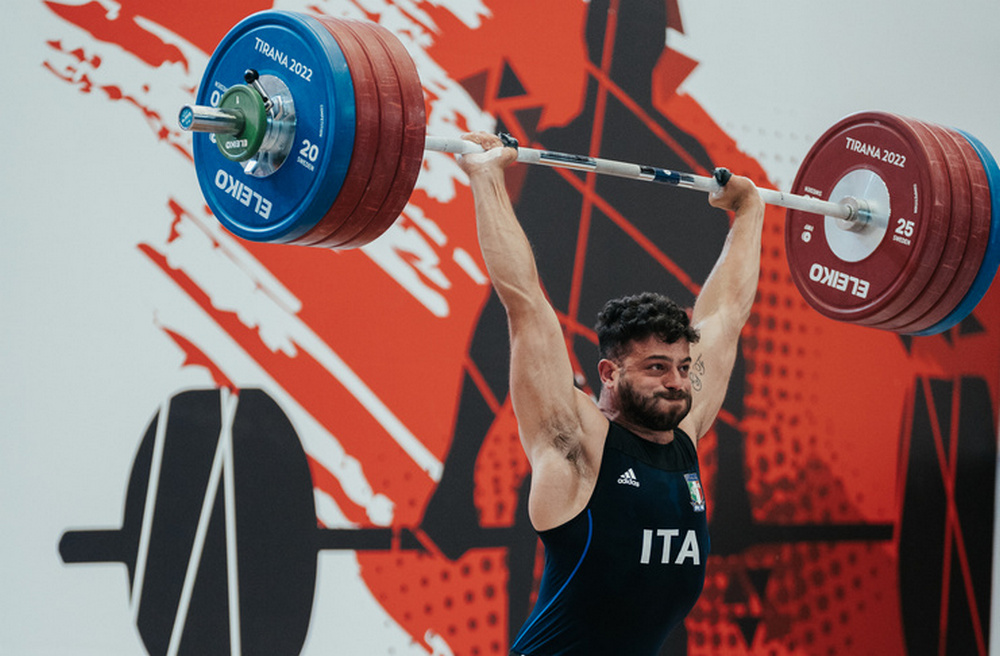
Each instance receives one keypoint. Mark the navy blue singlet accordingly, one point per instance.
(626, 570)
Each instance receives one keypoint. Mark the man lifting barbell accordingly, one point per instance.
(615, 491)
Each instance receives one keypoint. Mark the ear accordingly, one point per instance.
(608, 372)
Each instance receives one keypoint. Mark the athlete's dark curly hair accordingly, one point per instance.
(634, 318)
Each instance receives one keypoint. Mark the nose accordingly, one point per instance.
(671, 378)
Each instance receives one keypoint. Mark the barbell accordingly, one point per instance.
(892, 222)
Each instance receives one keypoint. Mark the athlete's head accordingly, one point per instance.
(634, 318)
(645, 343)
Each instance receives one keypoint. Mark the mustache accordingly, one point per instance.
(679, 395)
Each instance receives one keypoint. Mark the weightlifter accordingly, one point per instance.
(615, 491)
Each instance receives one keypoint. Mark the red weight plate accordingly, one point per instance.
(938, 229)
(977, 242)
(874, 286)
(366, 133)
(958, 232)
(390, 134)
(414, 140)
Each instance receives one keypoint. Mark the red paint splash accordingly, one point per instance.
(195, 357)
(204, 26)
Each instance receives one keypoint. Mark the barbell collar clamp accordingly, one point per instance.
(262, 125)
(252, 78)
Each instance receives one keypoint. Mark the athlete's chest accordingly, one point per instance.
(648, 515)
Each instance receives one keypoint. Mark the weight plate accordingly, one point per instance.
(414, 140)
(365, 76)
(877, 286)
(390, 133)
(977, 243)
(978, 233)
(938, 228)
(958, 232)
(991, 257)
(286, 204)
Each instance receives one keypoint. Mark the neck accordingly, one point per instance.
(614, 413)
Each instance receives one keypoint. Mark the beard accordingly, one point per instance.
(644, 411)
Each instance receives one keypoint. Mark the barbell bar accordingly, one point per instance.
(849, 209)
(892, 223)
(196, 118)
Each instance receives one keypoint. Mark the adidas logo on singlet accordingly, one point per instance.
(628, 478)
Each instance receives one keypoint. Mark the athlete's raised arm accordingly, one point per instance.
(559, 425)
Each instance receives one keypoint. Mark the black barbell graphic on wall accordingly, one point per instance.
(219, 534)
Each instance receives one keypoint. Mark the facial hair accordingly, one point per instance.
(644, 412)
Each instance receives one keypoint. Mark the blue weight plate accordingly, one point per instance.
(991, 260)
(302, 53)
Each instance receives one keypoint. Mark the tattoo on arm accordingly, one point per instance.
(697, 371)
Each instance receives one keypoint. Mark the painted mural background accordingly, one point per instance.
(374, 487)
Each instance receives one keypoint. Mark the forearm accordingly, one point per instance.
(731, 288)
(506, 251)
